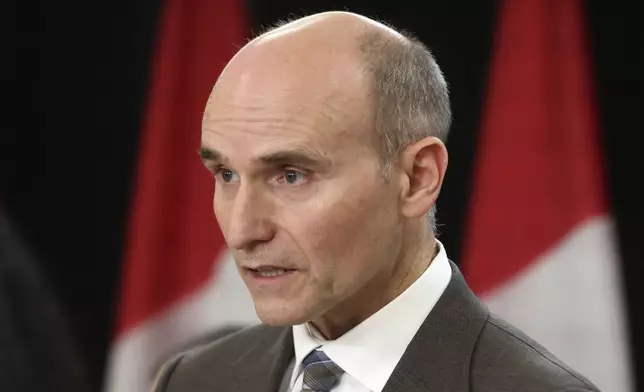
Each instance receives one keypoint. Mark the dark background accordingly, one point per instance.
(81, 80)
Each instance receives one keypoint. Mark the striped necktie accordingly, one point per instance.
(320, 373)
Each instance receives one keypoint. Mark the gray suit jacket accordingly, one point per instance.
(459, 347)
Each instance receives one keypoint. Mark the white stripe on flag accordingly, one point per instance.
(569, 301)
(135, 356)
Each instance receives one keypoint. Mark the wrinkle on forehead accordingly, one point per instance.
(324, 126)
(331, 108)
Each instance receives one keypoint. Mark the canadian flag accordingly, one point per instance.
(540, 248)
(180, 284)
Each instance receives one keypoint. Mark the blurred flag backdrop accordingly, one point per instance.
(540, 247)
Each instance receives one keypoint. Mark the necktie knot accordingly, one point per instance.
(320, 373)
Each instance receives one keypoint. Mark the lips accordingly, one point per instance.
(269, 271)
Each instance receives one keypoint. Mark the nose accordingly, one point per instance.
(249, 220)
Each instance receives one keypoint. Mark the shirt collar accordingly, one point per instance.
(371, 350)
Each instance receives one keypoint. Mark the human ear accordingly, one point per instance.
(423, 167)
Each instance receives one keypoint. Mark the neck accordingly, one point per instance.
(377, 293)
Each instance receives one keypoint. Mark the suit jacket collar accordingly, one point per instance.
(437, 359)
(263, 366)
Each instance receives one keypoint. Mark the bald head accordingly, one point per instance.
(408, 94)
(340, 30)
(320, 54)
(360, 72)
(321, 35)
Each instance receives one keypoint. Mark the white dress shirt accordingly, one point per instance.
(369, 352)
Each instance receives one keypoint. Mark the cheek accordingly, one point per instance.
(344, 236)
(221, 208)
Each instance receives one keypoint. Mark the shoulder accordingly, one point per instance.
(506, 358)
(195, 365)
(232, 345)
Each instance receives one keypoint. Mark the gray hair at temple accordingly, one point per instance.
(409, 92)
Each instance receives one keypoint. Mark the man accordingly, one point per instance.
(326, 139)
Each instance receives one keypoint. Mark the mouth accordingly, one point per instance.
(268, 272)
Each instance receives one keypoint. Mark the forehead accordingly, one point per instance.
(252, 119)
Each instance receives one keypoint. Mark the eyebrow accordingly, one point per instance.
(306, 157)
(209, 154)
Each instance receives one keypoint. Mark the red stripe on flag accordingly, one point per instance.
(173, 238)
(538, 171)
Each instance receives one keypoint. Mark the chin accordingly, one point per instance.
(282, 315)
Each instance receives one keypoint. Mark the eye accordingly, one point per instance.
(226, 175)
(292, 177)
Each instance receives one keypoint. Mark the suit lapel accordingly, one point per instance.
(438, 357)
(262, 368)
